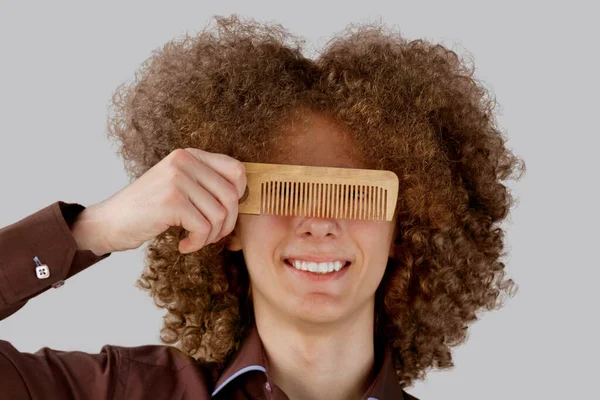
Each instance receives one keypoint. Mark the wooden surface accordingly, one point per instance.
(363, 194)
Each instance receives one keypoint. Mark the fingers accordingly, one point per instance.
(210, 190)
(197, 225)
(228, 167)
(216, 200)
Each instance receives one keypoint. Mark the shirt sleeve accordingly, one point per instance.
(56, 374)
(45, 234)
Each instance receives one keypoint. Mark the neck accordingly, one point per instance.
(315, 360)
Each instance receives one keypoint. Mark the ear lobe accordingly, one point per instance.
(235, 244)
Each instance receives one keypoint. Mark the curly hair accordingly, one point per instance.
(413, 107)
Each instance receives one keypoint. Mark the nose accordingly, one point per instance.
(318, 215)
(318, 228)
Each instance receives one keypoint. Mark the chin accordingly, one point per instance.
(317, 312)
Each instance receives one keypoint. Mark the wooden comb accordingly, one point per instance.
(323, 192)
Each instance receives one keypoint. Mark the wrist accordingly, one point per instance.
(88, 231)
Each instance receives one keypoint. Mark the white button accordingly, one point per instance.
(42, 272)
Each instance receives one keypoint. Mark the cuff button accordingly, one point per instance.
(42, 272)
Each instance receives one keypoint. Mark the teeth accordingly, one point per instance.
(321, 268)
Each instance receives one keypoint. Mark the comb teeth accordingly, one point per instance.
(322, 192)
(339, 201)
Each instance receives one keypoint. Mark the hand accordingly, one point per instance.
(192, 188)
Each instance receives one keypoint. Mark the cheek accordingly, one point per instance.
(258, 228)
(260, 237)
(374, 241)
(373, 235)
(376, 254)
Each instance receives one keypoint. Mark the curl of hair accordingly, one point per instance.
(413, 107)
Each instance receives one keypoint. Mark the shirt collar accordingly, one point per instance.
(250, 357)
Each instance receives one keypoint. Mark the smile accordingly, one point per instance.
(317, 267)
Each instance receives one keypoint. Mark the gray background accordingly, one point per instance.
(60, 63)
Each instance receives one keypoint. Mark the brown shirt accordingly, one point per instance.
(143, 372)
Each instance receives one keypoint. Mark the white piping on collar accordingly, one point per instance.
(241, 371)
(246, 369)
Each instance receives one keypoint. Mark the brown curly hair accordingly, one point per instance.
(415, 109)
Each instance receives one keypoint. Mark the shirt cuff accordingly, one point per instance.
(46, 235)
